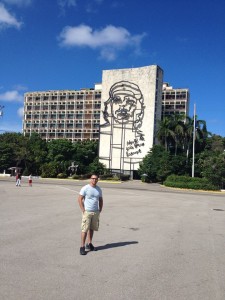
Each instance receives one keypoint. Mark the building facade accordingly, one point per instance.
(122, 113)
(131, 107)
(67, 114)
(174, 101)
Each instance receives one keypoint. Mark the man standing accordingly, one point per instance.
(91, 202)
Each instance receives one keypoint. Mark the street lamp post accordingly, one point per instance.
(193, 152)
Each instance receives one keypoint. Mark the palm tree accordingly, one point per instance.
(177, 131)
(165, 132)
(200, 131)
(177, 125)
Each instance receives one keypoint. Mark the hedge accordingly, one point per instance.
(187, 182)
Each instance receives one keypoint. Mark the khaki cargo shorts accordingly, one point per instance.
(90, 220)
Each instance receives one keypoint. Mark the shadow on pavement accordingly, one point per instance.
(115, 245)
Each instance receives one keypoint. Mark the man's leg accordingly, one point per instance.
(83, 238)
(90, 235)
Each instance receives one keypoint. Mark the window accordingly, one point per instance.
(70, 116)
(97, 96)
(79, 116)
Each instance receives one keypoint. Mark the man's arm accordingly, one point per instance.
(81, 203)
(100, 203)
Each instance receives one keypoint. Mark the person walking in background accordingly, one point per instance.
(30, 180)
(18, 179)
(91, 203)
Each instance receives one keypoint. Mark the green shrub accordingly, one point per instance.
(85, 176)
(75, 176)
(49, 170)
(106, 176)
(110, 177)
(187, 182)
(115, 178)
(61, 175)
(124, 177)
(145, 178)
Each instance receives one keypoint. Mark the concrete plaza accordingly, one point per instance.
(154, 243)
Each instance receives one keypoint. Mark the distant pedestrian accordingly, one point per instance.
(18, 179)
(91, 202)
(30, 180)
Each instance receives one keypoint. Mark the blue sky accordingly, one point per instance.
(65, 44)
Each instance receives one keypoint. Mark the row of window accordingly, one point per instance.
(64, 97)
(63, 131)
(179, 106)
(62, 103)
(64, 126)
(67, 122)
(62, 107)
(177, 96)
(51, 117)
(67, 135)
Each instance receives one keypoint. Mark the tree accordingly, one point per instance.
(215, 143)
(178, 128)
(6, 157)
(37, 154)
(96, 167)
(156, 164)
(60, 150)
(50, 169)
(165, 132)
(176, 133)
(211, 162)
(201, 134)
(17, 145)
(84, 154)
(213, 168)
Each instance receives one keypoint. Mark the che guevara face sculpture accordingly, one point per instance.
(124, 106)
(126, 102)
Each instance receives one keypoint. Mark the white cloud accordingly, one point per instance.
(20, 87)
(11, 96)
(18, 2)
(20, 112)
(66, 3)
(109, 39)
(108, 54)
(7, 19)
(92, 5)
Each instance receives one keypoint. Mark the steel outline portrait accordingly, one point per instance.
(125, 105)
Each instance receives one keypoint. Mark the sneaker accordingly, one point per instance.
(90, 247)
(82, 251)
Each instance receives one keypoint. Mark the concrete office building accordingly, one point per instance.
(131, 105)
(66, 114)
(174, 101)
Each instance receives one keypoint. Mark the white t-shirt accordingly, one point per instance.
(91, 197)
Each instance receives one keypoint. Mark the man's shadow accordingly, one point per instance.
(115, 245)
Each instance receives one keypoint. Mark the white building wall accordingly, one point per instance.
(127, 136)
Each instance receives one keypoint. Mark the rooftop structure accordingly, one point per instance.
(174, 101)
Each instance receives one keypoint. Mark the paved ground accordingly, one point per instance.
(153, 243)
